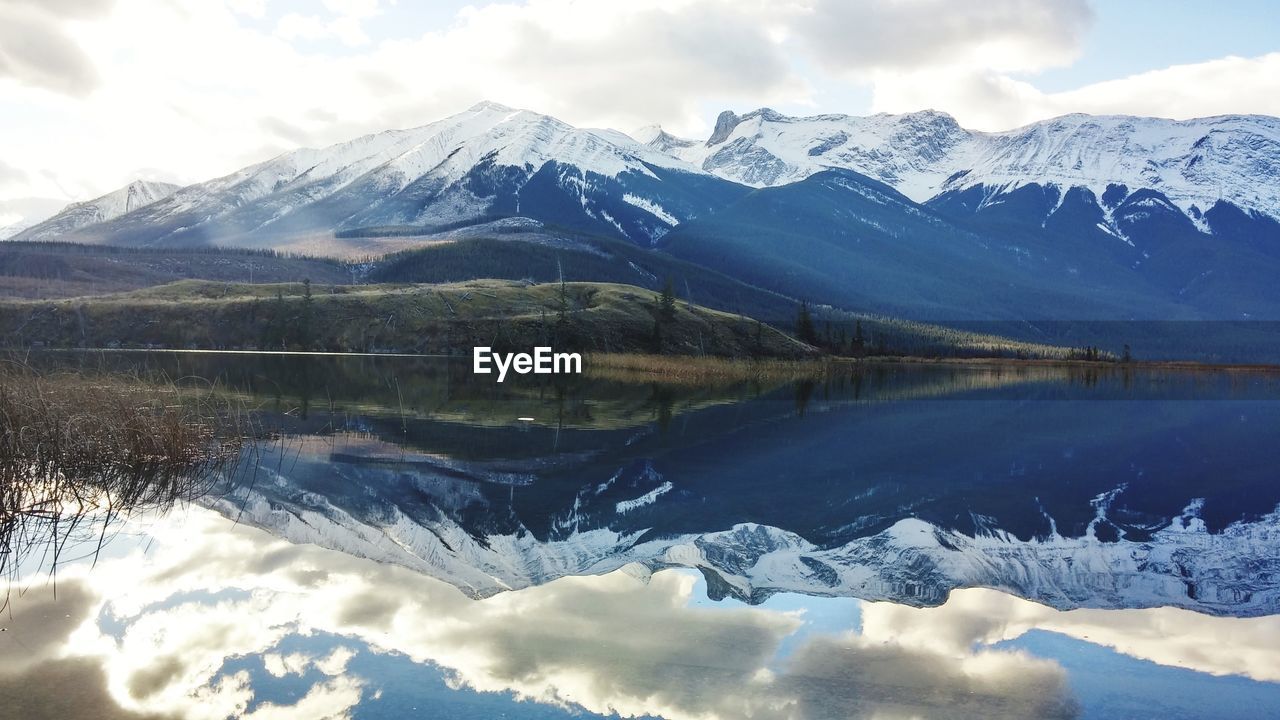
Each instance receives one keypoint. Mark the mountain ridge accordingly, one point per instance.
(77, 215)
(925, 153)
(1091, 218)
(489, 159)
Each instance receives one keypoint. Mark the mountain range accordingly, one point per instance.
(1074, 218)
(1093, 510)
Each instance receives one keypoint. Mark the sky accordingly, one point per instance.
(97, 93)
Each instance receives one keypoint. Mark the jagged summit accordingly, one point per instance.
(1194, 163)
(725, 123)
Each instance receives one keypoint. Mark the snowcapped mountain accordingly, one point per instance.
(766, 148)
(1076, 218)
(1193, 163)
(492, 160)
(458, 537)
(114, 204)
(1093, 509)
(1138, 218)
(488, 161)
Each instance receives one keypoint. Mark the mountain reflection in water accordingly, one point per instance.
(214, 619)
(908, 542)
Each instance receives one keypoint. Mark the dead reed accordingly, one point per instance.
(77, 451)
(684, 370)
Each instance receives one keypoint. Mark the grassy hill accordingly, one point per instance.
(579, 258)
(449, 318)
(543, 255)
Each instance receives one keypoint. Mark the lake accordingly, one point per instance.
(885, 541)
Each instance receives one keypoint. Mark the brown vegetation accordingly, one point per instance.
(637, 367)
(75, 448)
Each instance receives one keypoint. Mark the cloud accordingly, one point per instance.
(623, 64)
(208, 591)
(333, 664)
(11, 176)
(862, 36)
(332, 700)
(36, 50)
(90, 91)
(1217, 87)
(37, 628)
(1168, 636)
(64, 690)
(609, 644)
(162, 78)
(829, 676)
(992, 101)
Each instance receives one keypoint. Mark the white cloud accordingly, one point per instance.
(862, 36)
(612, 644)
(1218, 87)
(992, 101)
(93, 95)
(36, 49)
(346, 22)
(191, 85)
(1169, 636)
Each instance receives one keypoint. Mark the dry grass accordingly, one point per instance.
(683, 370)
(75, 448)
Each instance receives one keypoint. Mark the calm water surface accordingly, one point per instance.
(890, 542)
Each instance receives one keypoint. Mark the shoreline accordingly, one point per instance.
(652, 362)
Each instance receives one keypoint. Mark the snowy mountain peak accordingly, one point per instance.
(131, 197)
(647, 134)
(1194, 163)
(469, 166)
(495, 160)
(653, 136)
(114, 204)
(725, 123)
(489, 105)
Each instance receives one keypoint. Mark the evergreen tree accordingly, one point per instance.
(279, 322)
(562, 305)
(805, 330)
(305, 331)
(667, 302)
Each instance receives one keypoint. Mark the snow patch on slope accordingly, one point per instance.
(648, 498)
(652, 208)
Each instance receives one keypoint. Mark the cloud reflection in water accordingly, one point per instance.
(170, 631)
